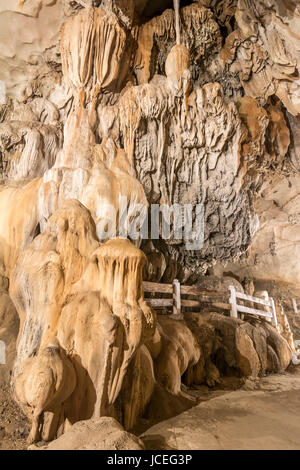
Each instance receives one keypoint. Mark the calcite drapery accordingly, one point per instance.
(88, 297)
(44, 278)
(257, 56)
(94, 50)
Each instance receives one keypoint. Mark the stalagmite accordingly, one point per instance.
(44, 384)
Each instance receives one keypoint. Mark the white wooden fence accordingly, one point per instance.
(175, 297)
(296, 353)
(268, 302)
(226, 300)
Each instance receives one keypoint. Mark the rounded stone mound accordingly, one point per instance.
(103, 434)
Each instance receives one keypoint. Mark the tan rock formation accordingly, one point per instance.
(9, 326)
(43, 384)
(178, 352)
(83, 295)
(114, 320)
(103, 434)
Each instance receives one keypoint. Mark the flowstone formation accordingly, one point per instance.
(121, 101)
(205, 106)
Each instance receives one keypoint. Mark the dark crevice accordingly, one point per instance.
(157, 7)
(37, 231)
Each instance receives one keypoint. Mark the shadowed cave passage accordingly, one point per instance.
(154, 8)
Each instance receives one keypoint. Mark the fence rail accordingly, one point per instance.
(213, 297)
(268, 302)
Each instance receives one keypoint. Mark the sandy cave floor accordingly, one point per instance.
(259, 414)
(14, 426)
(264, 414)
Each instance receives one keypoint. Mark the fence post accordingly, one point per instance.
(2, 353)
(232, 301)
(274, 318)
(295, 306)
(269, 309)
(176, 298)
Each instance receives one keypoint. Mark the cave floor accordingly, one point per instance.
(14, 426)
(263, 414)
(260, 414)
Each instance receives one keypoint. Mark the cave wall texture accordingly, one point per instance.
(122, 98)
(224, 134)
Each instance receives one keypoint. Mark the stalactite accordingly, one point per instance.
(177, 21)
